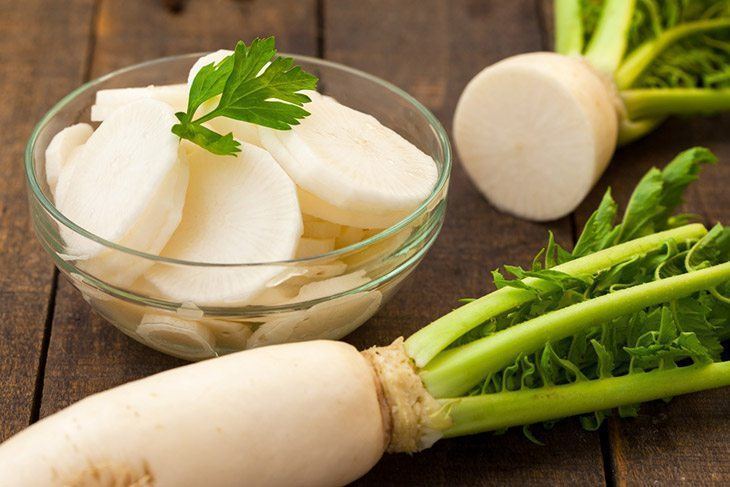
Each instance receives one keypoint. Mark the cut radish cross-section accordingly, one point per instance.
(352, 170)
(238, 210)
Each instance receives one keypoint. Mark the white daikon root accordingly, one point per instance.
(238, 210)
(126, 184)
(218, 422)
(243, 131)
(351, 169)
(107, 101)
(60, 149)
(536, 131)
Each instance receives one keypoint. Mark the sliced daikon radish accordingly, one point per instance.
(360, 219)
(300, 275)
(107, 101)
(181, 338)
(316, 228)
(311, 247)
(535, 132)
(61, 147)
(329, 320)
(349, 236)
(243, 131)
(126, 185)
(330, 287)
(238, 210)
(275, 296)
(350, 161)
(213, 57)
(231, 335)
(64, 175)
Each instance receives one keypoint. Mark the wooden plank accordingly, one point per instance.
(86, 354)
(686, 440)
(432, 48)
(34, 74)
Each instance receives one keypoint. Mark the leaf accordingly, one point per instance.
(272, 98)
(676, 176)
(598, 228)
(214, 142)
(255, 86)
(208, 83)
(643, 207)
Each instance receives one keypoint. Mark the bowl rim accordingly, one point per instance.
(49, 206)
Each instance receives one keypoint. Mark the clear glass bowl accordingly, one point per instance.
(326, 296)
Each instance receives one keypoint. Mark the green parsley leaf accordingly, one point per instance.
(255, 85)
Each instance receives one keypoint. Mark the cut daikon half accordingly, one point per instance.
(107, 101)
(535, 132)
(127, 185)
(238, 210)
(178, 337)
(347, 160)
(60, 149)
(243, 131)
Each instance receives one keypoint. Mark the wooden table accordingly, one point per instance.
(54, 350)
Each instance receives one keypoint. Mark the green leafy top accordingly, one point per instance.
(255, 85)
(664, 336)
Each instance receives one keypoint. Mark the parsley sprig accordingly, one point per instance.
(255, 85)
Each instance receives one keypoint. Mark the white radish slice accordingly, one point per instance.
(331, 320)
(349, 236)
(360, 219)
(126, 185)
(213, 57)
(243, 131)
(275, 296)
(311, 247)
(228, 334)
(310, 272)
(107, 101)
(330, 287)
(61, 147)
(238, 210)
(65, 173)
(321, 229)
(181, 338)
(534, 132)
(350, 161)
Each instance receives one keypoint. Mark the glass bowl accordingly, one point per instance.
(325, 296)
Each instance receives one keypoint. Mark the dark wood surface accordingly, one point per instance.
(54, 350)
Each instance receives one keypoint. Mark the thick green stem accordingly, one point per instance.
(644, 55)
(608, 43)
(631, 130)
(491, 412)
(429, 341)
(661, 102)
(568, 27)
(455, 371)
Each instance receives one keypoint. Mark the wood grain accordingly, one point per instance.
(685, 441)
(34, 74)
(432, 49)
(86, 354)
